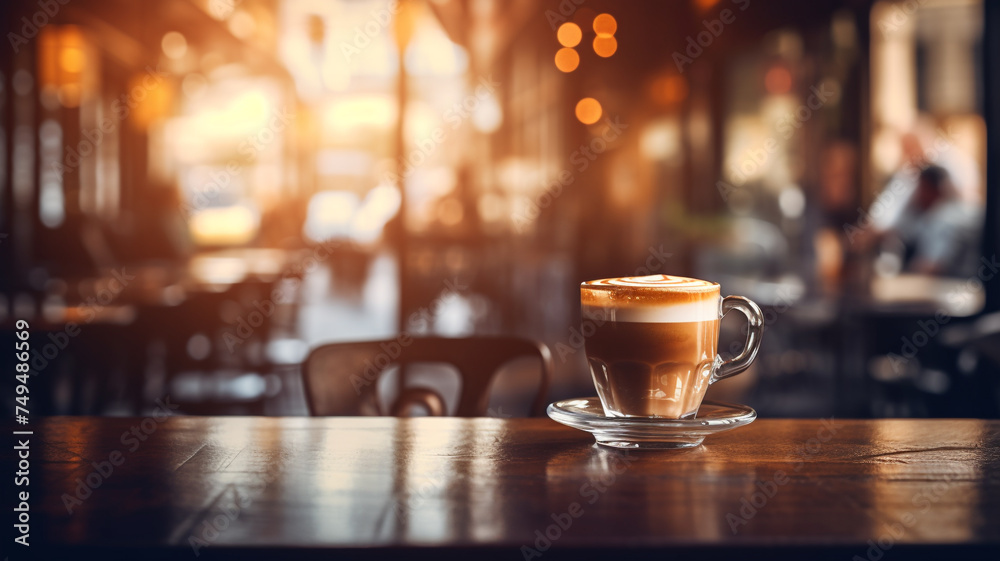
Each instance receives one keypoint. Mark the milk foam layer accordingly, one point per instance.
(651, 299)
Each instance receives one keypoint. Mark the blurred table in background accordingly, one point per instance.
(914, 294)
(99, 336)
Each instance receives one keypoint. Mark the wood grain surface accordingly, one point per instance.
(509, 489)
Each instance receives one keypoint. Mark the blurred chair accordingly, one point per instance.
(342, 378)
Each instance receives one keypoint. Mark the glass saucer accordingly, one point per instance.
(586, 414)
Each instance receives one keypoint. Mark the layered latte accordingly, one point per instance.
(654, 350)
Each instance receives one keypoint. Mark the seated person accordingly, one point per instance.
(939, 229)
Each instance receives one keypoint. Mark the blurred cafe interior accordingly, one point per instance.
(195, 193)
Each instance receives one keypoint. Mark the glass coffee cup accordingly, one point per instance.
(653, 350)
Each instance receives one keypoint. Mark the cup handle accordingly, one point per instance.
(755, 319)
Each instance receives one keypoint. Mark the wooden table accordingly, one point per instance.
(287, 488)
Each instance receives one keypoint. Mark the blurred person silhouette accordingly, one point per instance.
(920, 148)
(938, 228)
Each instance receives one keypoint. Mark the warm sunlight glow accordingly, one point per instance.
(569, 34)
(348, 114)
(432, 53)
(588, 110)
(380, 205)
(567, 59)
(220, 119)
(224, 226)
(330, 214)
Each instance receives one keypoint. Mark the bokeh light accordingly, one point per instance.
(567, 59)
(605, 46)
(174, 45)
(605, 25)
(71, 59)
(588, 110)
(569, 34)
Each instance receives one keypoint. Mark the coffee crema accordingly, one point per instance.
(651, 299)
